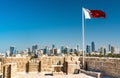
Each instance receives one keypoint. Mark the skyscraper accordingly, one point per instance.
(53, 46)
(71, 50)
(46, 50)
(12, 50)
(105, 50)
(109, 48)
(93, 46)
(29, 50)
(66, 50)
(34, 47)
(113, 49)
(78, 48)
(62, 49)
(88, 48)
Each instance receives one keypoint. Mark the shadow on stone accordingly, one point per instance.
(76, 71)
(48, 74)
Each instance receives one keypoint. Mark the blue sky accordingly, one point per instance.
(46, 22)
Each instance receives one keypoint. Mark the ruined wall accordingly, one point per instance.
(33, 65)
(71, 66)
(109, 66)
(41, 64)
(21, 62)
(47, 62)
(9, 70)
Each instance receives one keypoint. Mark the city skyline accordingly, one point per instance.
(88, 48)
(26, 22)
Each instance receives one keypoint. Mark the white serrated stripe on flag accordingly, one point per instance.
(86, 13)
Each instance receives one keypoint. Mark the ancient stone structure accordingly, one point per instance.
(54, 64)
(108, 66)
(9, 70)
(58, 65)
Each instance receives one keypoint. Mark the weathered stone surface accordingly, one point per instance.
(9, 70)
(109, 66)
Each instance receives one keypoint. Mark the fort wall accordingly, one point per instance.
(108, 66)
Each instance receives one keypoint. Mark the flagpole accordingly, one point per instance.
(83, 41)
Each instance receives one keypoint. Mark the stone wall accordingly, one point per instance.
(9, 70)
(108, 66)
(71, 66)
(47, 62)
(21, 62)
(33, 66)
(42, 64)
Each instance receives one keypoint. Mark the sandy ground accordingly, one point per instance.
(42, 75)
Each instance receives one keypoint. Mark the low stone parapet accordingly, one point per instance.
(91, 73)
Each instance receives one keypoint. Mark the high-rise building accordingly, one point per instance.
(93, 46)
(105, 50)
(113, 49)
(34, 47)
(71, 50)
(62, 49)
(28, 49)
(102, 50)
(109, 48)
(56, 51)
(88, 48)
(53, 46)
(78, 48)
(66, 50)
(46, 50)
(12, 50)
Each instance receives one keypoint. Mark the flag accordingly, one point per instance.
(93, 13)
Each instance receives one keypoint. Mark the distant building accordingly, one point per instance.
(105, 51)
(102, 50)
(93, 46)
(62, 49)
(109, 47)
(29, 50)
(75, 50)
(52, 51)
(66, 50)
(78, 48)
(34, 48)
(46, 50)
(53, 46)
(12, 50)
(88, 48)
(71, 50)
(56, 51)
(113, 49)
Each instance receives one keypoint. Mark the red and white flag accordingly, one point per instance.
(93, 13)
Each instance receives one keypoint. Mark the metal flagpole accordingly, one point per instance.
(83, 42)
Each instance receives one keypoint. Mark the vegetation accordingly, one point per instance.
(101, 55)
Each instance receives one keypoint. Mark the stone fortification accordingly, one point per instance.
(108, 66)
(54, 64)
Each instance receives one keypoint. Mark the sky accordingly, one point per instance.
(46, 22)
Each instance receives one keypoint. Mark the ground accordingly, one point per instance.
(42, 75)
